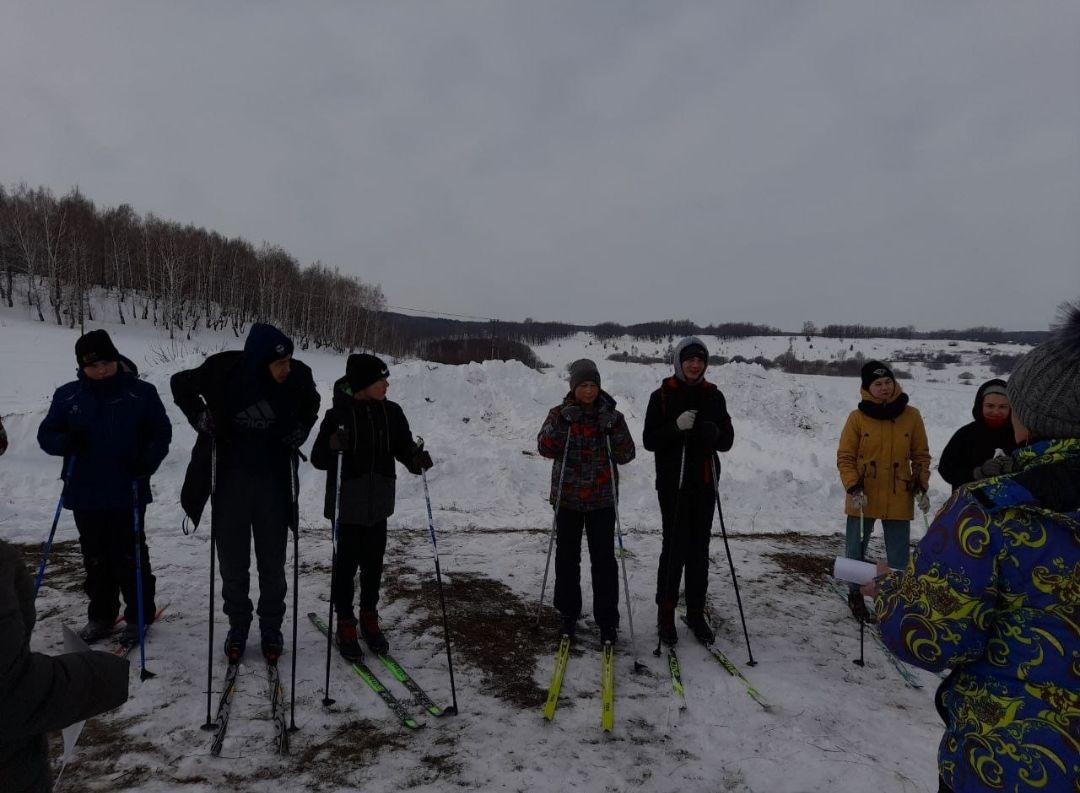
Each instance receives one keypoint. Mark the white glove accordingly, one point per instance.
(686, 420)
(859, 500)
(923, 501)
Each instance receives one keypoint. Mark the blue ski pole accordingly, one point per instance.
(47, 545)
(146, 674)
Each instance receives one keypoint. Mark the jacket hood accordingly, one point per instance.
(677, 365)
(266, 344)
(976, 410)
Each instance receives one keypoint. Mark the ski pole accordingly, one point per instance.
(673, 538)
(47, 545)
(638, 665)
(294, 474)
(453, 709)
(731, 563)
(554, 525)
(861, 660)
(208, 724)
(145, 674)
(334, 524)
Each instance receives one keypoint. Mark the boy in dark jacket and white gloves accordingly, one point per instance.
(686, 424)
(367, 432)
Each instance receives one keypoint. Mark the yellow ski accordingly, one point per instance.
(607, 687)
(561, 659)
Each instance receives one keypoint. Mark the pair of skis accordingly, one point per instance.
(275, 691)
(607, 683)
(122, 649)
(363, 671)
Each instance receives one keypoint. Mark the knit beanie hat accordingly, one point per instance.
(266, 344)
(93, 347)
(1044, 390)
(874, 370)
(362, 370)
(583, 371)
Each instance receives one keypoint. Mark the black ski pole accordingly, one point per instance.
(294, 517)
(554, 524)
(327, 701)
(638, 665)
(672, 544)
(136, 519)
(731, 563)
(453, 709)
(47, 545)
(209, 725)
(861, 661)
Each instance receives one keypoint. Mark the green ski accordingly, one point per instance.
(561, 659)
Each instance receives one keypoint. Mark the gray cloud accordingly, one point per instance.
(886, 163)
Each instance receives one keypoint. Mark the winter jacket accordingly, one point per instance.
(663, 437)
(586, 480)
(258, 423)
(3, 438)
(993, 592)
(889, 458)
(117, 431)
(974, 443)
(380, 434)
(39, 693)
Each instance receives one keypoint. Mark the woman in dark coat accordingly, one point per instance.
(38, 693)
(980, 449)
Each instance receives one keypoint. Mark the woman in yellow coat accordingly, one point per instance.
(884, 463)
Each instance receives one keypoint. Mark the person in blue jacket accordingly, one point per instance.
(112, 431)
(992, 593)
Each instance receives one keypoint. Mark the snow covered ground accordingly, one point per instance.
(834, 727)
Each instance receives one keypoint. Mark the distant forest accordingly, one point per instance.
(55, 252)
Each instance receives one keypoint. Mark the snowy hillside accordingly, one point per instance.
(834, 727)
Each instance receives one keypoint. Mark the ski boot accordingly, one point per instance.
(858, 607)
(567, 626)
(96, 630)
(347, 643)
(235, 643)
(695, 620)
(609, 634)
(369, 629)
(273, 644)
(665, 623)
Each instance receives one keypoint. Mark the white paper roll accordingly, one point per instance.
(853, 570)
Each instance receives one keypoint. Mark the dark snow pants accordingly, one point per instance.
(252, 505)
(107, 538)
(358, 547)
(685, 545)
(599, 526)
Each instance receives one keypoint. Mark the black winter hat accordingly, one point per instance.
(583, 371)
(361, 370)
(693, 351)
(874, 370)
(93, 347)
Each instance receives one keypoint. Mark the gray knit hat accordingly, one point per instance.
(1044, 389)
(583, 371)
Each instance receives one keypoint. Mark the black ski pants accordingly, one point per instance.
(685, 545)
(363, 548)
(107, 538)
(599, 527)
(252, 505)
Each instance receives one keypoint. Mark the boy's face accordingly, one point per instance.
(376, 390)
(882, 388)
(102, 370)
(692, 368)
(586, 393)
(280, 369)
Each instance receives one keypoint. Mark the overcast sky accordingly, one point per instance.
(877, 162)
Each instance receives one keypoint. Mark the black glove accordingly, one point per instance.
(995, 466)
(204, 423)
(340, 440)
(295, 437)
(858, 498)
(420, 462)
(606, 420)
(706, 432)
(571, 413)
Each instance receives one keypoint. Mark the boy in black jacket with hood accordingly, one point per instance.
(686, 424)
(970, 454)
(367, 432)
(255, 409)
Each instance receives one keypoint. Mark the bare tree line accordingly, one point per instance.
(179, 277)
